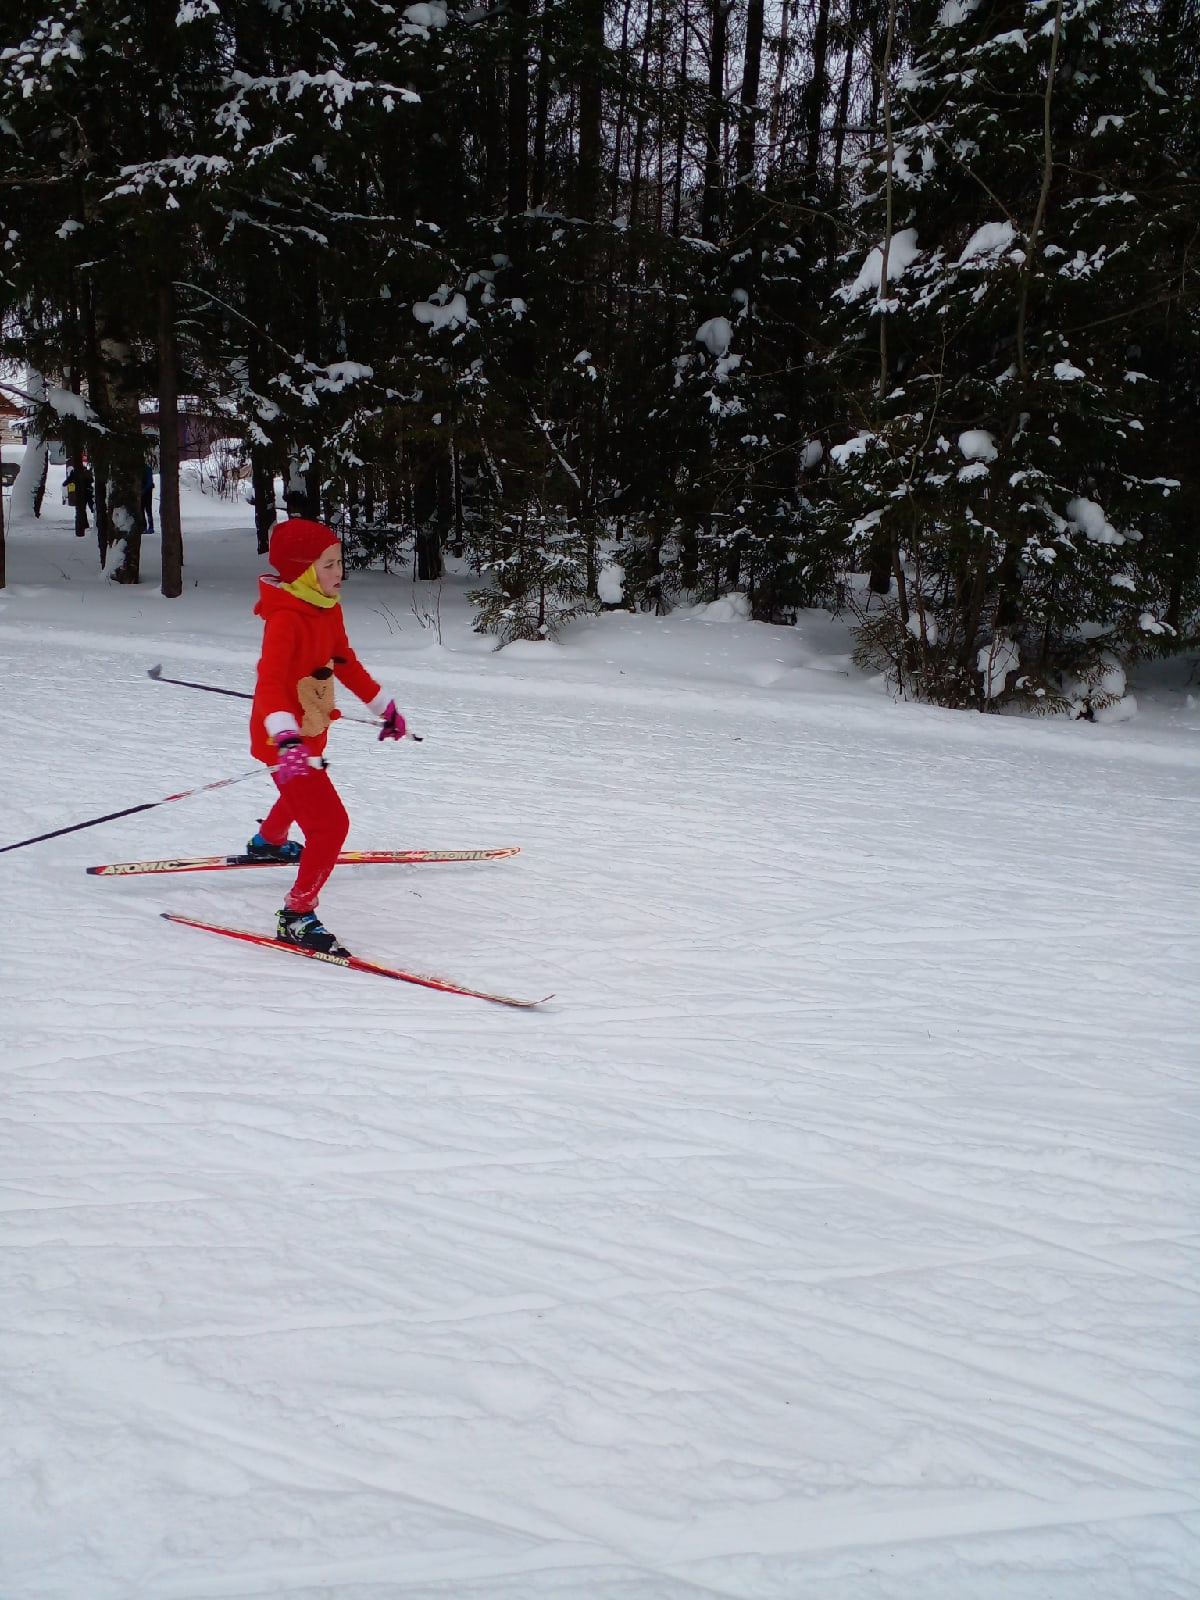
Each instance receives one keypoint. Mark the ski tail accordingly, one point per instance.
(357, 963)
(132, 869)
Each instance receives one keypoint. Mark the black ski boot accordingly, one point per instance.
(289, 852)
(304, 928)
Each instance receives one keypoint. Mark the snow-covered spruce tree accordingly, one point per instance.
(768, 402)
(316, 120)
(73, 114)
(1011, 231)
(713, 389)
(1166, 338)
(715, 406)
(241, 164)
(538, 573)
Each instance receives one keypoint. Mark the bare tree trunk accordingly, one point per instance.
(681, 124)
(541, 115)
(712, 201)
(459, 536)
(748, 117)
(518, 108)
(95, 468)
(877, 30)
(119, 485)
(885, 79)
(73, 442)
(262, 450)
(169, 527)
(591, 112)
(661, 142)
(817, 93)
(262, 486)
(314, 475)
(620, 134)
(884, 562)
(1027, 267)
(843, 100)
(490, 119)
(781, 54)
(639, 132)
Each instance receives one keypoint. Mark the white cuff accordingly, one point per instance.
(278, 722)
(381, 702)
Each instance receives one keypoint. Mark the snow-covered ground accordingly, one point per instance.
(832, 1234)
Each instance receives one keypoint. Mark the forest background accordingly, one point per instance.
(890, 308)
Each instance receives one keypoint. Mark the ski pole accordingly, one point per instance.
(148, 805)
(240, 694)
(209, 688)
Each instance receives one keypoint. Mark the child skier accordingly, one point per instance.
(304, 649)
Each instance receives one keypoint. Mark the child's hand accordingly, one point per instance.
(293, 757)
(393, 723)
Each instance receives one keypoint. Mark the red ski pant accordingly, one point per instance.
(315, 805)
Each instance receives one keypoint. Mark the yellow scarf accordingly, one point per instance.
(306, 587)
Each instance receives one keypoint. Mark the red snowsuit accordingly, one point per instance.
(304, 651)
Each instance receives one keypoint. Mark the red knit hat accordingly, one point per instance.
(296, 544)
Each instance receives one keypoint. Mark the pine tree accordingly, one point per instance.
(993, 468)
(538, 571)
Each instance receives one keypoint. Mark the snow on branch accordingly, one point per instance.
(173, 172)
(902, 252)
(332, 86)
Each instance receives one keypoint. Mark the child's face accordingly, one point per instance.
(329, 570)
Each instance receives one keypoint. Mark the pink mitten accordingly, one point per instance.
(393, 722)
(293, 758)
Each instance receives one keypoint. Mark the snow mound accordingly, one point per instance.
(610, 584)
(996, 661)
(531, 649)
(1102, 696)
(729, 608)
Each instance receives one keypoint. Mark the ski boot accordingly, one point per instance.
(305, 929)
(289, 852)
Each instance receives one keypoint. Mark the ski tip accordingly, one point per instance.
(155, 671)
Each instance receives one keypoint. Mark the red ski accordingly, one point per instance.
(348, 858)
(355, 963)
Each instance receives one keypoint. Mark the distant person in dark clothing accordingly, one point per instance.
(148, 497)
(78, 490)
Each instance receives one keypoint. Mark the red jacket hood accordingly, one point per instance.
(273, 597)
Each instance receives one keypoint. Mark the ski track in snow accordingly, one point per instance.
(830, 1236)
